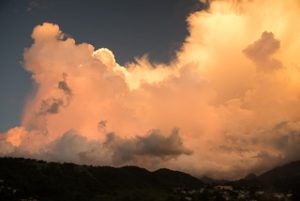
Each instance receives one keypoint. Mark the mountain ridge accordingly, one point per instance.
(284, 178)
(49, 181)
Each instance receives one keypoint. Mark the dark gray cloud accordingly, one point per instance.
(71, 147)
(260, 51)
(50, 106)
(114, 150)
(102, 125)
(156, 144)
(282, 143)
(54, 104)
(153, 145)
(287, 134)
(63, 85)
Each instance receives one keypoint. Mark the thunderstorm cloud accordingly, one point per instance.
(233, 92)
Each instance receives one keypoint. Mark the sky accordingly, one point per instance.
(212, 89)
(156, 28)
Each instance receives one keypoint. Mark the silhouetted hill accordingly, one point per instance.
(251, 176)
(69, 182)
(34, 180)
(168, 177)
(285, 178)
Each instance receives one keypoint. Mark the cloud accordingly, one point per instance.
(54, 104)
(261, 51)
(74, 147)
(6, 148)
(64, 86)
(35, 4)
(156, 144)
(50, 106)
(234, 96)
(153, 145)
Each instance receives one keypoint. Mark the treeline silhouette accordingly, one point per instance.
(48, 181)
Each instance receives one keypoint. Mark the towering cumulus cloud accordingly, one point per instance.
(227, 105)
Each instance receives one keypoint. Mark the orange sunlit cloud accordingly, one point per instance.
(227, 105)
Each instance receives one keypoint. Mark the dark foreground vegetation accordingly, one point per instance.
(33, 180)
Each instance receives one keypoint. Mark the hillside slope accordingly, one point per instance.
(284, 178)
(54, 181)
